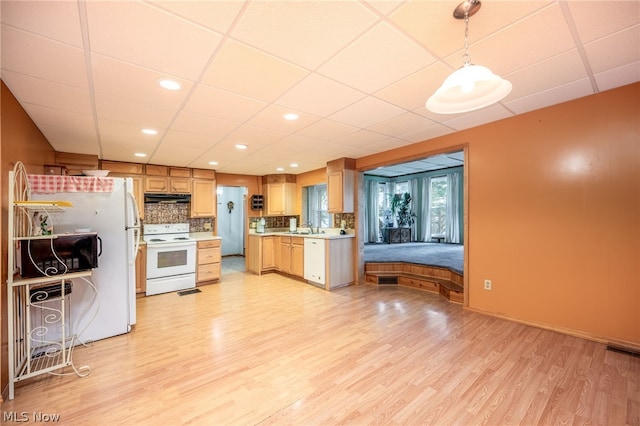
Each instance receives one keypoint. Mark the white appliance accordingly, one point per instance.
(171, 258)
(114, 216)
(314, 261)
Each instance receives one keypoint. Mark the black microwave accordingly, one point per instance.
(59, 255)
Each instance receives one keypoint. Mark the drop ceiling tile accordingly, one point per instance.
(48, 94)
(413, 91)
(514, 48)
(149, 37)
(387, 144)
(142, 114)
(610, 16)
(60, 136)
(252, 135)
(122, 80)
(385, 6)
(168, 155)
(242, 69)
(35, 56)
(377, 59)
(614, 51)
(432, 24)
(223, 105)
(293, 145)
(354, 152)
(475, 118)
(118, 150)
(617, 77)
(215, 15)
(179, 139)
(551, 96)
(43, 115)
(319, 29)
(401, 124)
(58, 20)
(327, 130)
(556, 71)
(431, 132)
(320, 96)
(360, 139)
(272, 117)
(366, 112)
(200, 124)
(125, 133)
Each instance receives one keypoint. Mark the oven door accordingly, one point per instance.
(165, 260)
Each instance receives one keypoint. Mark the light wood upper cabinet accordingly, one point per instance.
(203, 198)
(280, 194)
(156, 184)
(122, 168)
(341, 186)
(180, 185)
(167, 185)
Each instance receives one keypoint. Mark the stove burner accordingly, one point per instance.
(181, 238)
(155, 240)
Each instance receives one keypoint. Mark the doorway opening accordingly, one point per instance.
(232, 204)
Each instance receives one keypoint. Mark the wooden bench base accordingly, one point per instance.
(429, 278)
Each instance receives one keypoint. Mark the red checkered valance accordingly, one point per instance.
(51, 184)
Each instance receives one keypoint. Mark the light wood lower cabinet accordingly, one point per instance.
(208, 260)
(263, 254)
(292, 256)
(141, 270)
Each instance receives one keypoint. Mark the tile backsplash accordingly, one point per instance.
(176, 213)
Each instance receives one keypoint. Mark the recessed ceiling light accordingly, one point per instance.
(241, 146)
(169, 84)
(149, 131)
(294, 164)
(279, 169)
(291, 116)
(213, 163)
(140, 154)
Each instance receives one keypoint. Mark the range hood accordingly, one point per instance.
(167, 198)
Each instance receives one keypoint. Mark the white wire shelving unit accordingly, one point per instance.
(40, 338)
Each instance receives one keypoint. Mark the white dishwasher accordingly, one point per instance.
(314, 260)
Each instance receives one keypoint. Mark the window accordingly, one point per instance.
(438, 205)
(315, 205)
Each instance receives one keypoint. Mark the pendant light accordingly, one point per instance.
(470, 87)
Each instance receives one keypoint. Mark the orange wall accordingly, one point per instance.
(20, 140)
(554, 214)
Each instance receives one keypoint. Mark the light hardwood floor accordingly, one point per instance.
(270, 350)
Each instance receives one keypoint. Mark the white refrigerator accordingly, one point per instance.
(114, 216)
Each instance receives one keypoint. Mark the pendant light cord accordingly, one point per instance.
(466, 58)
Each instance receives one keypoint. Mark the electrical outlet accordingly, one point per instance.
(487, 284)
(207, 226)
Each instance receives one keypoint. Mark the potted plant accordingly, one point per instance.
(401, 208)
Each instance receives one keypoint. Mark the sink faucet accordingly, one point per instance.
(310, 225)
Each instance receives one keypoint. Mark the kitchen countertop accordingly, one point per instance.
(326, 236)
(203, 236)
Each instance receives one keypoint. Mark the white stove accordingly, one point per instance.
(166, 233)
(171, 258)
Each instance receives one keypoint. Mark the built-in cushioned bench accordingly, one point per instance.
(430, 278)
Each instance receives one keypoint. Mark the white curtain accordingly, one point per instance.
(452, 234)
(371, 211)
(425, 214)
(415, 202)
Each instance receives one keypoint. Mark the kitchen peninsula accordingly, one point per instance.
(323, 259)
